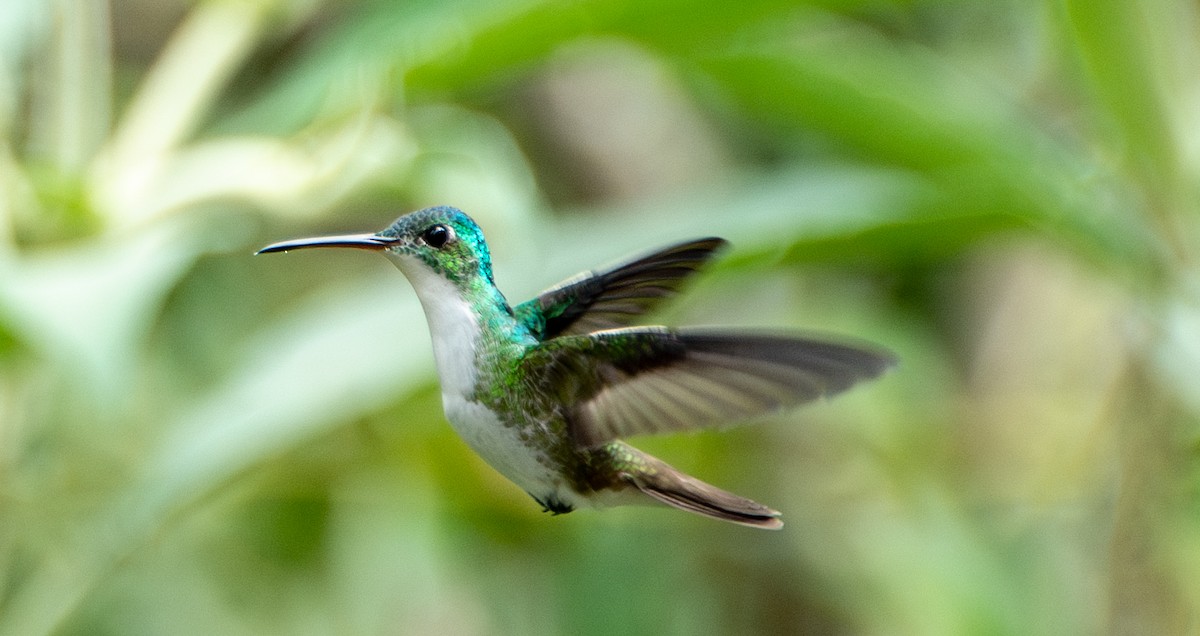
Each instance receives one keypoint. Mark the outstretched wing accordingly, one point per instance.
(634, 381)
(594, 301)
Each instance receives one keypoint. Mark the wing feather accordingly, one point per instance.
(595, 301)
(651, 380)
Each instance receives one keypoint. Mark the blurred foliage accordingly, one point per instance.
(193, 440)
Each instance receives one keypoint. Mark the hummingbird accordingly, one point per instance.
(546, 391)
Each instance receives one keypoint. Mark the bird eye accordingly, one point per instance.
(437, 236)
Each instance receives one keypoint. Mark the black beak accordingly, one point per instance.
(360, 241)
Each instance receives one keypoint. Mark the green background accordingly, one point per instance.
(194, 440)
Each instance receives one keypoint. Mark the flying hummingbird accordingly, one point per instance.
(546, 390)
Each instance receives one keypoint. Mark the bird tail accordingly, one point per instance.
(668, 485)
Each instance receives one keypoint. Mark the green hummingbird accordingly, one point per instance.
(545, 391)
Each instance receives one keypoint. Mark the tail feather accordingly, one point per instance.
(667, 485)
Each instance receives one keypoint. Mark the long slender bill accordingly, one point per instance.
(360, 241)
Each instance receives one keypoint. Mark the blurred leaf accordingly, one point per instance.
(980, 158)
(1114, 43)
(88, 306)
(322, 367)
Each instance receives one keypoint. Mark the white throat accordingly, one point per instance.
(453, 325)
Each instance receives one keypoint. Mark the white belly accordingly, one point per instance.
(500, 446)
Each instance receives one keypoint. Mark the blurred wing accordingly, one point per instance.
(614, 298)
(635, 381)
